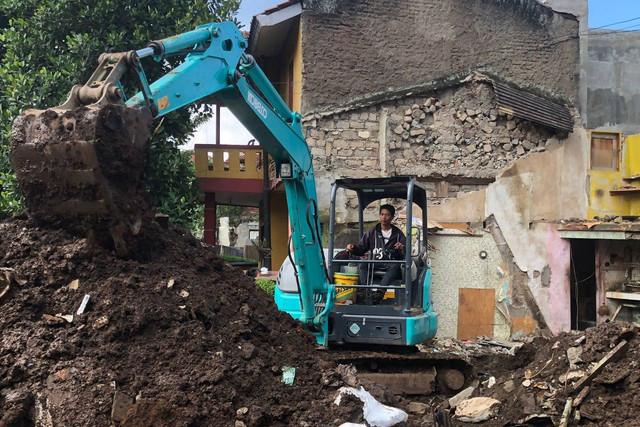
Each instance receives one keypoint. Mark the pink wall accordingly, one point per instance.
(558, 316)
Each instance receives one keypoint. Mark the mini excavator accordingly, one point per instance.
(79, 163)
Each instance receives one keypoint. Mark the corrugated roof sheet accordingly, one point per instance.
(533, 108)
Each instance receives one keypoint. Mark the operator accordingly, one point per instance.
(384, 241)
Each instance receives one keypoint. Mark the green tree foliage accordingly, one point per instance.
(47, 46)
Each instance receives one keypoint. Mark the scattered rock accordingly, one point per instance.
(101, 322)
(463, 395)
(121, 404)
(476, 409)
(574, 355)
(508, 386)
(417, 408)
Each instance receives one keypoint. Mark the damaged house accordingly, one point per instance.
(498, 108)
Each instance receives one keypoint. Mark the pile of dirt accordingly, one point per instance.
(173, 336)
(534, 386)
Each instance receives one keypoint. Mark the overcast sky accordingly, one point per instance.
(609, 14)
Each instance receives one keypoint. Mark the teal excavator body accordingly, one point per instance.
(216, 65)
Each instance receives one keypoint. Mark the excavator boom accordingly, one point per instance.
(79, 164)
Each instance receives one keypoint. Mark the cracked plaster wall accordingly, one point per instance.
(350, 52)
(489, 273)
(526, 201)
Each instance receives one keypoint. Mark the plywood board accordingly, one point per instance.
(475, 313)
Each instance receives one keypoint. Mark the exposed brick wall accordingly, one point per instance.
(354, 49)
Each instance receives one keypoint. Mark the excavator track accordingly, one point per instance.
(409, 371)
(81, 169)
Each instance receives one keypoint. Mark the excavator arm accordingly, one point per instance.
(216, 65)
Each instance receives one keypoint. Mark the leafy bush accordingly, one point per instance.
(233, 258)
(269, 286)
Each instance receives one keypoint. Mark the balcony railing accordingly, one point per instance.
(228, 161)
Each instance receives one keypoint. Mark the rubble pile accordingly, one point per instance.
(577, 378)
(172, 336)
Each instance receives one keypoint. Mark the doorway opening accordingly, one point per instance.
(583, 284)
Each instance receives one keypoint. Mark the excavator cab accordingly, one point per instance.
(404, 315)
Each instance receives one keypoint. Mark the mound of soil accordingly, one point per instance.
(173, 336)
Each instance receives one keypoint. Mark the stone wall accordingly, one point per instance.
(453, 140)
(359, 49)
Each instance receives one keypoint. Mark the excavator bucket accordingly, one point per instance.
(81, 169)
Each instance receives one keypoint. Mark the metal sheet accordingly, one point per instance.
(533, 108)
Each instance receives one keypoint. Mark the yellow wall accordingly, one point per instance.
(601, 182)
(279, 229)
(632, 170)
(291, 51)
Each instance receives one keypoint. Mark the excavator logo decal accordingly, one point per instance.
(257, 105)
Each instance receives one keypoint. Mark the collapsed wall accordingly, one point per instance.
(453, 139)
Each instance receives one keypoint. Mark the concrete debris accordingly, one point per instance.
(574, 355)
(73, 285)
(83, 305)
(121, 404)
(476, 409)
(463, 395)
(490, 382)
(183, 293)
(509, 386)
(101, 322)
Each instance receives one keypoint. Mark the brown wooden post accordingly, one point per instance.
(210, 218)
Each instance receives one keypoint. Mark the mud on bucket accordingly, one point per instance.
(345, 295)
